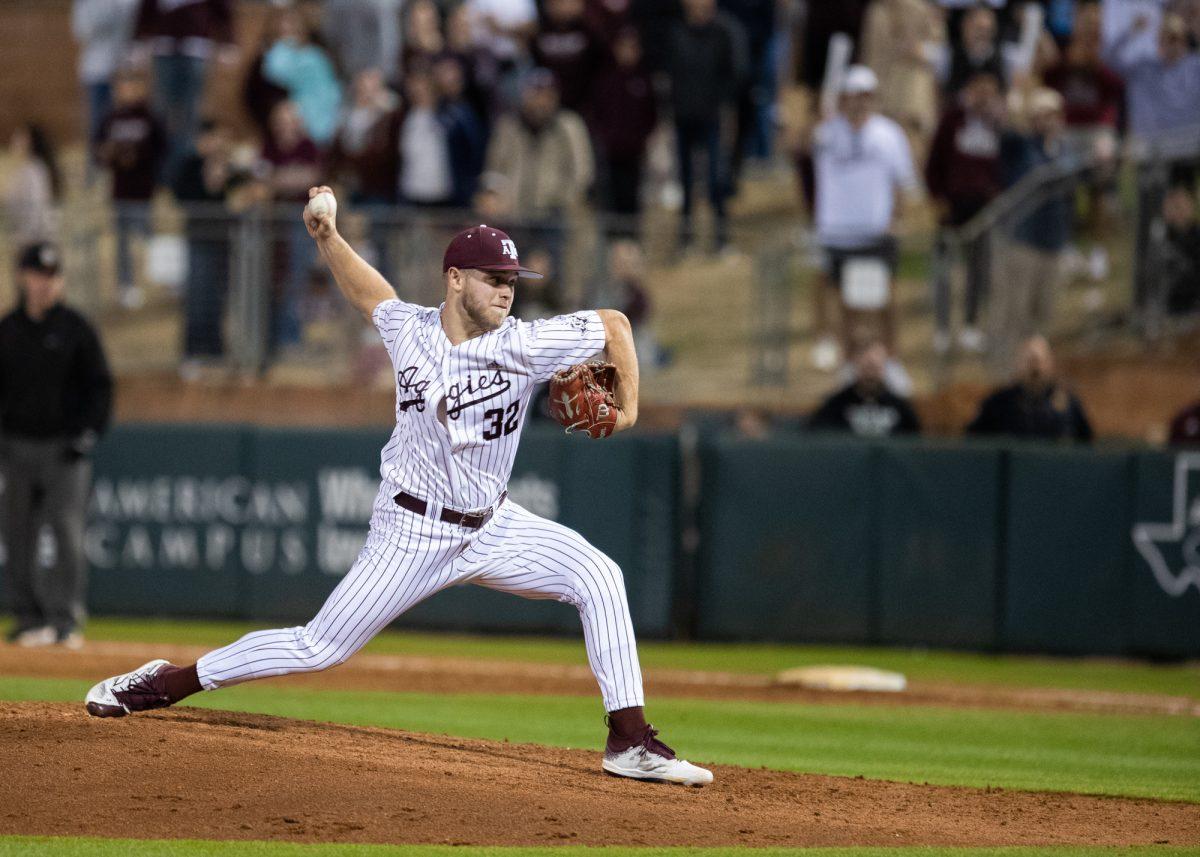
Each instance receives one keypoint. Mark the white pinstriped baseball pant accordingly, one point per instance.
(516, 552)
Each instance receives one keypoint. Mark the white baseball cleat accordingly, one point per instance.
(36, 638)
(651, 759)
(139, 690)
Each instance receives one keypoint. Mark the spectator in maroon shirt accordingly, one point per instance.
(183, 37)
(1092, 99)
(567, 46)
(292, 158)
(627, 270)
(962, 170)
(291, 165)
(963, 175)
(1092, 93)
(132, 144)
(622, 115)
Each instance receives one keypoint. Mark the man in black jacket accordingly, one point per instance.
(1038, 406)
(55, 400)
(705, 61)
(867, 406)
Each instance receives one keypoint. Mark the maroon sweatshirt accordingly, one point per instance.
(132, 143)
(184, 26)
(1092, 95)
(374, 170)
(574, 53)
(963, 168)
(622, 111)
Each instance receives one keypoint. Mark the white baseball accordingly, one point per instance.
(323, 205)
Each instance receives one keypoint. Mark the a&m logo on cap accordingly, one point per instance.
(509, 248)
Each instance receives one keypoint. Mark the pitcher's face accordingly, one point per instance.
(486, 296)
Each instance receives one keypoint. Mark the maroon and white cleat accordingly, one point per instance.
(651, 759)
(139, 690)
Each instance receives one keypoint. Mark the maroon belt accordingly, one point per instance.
(472, 521)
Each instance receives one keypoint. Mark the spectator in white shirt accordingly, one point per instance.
(863, 165)
(31, 187)
(503, 27)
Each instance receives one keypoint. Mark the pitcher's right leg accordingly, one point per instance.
(390, 576)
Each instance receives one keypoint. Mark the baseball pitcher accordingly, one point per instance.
(464, 372)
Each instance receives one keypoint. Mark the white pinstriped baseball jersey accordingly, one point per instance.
(459, 412)
(460, 408)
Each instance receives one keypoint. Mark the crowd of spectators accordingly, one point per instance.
(982, 95)
(523, 110)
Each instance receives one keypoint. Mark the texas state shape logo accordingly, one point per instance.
(1172, 548)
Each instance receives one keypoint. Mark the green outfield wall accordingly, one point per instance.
(1005, 547)
(951, 544)
(261, 523)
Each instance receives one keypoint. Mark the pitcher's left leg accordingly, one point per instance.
(535, 558)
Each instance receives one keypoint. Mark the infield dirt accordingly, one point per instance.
(199, 773)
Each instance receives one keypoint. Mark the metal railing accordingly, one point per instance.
(1129, 292)
(250, 293)
(241, 289)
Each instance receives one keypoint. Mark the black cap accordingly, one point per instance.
(42, 257)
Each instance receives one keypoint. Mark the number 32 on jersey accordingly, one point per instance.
(498, 422)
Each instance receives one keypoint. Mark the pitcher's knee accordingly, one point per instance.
(613, 577)
(599, 581)
(321, 651)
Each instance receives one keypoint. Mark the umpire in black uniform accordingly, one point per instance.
(55, 400)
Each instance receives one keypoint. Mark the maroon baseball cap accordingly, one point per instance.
(487, 249)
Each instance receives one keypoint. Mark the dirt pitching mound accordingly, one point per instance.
(220, 775)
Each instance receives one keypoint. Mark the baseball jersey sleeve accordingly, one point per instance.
(390, 317)
(551, 344)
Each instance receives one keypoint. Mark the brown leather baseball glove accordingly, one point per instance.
(581, 398)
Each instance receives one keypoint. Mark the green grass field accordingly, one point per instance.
(1143, 756)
